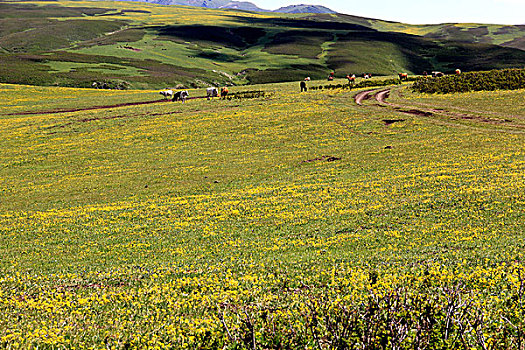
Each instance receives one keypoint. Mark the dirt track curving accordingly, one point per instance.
(381, 96)
(363, 95)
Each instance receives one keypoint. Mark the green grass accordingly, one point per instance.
(498, 104)
(67, 67)
(279, 221)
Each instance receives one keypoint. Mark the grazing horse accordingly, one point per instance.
(212, 92)
(166, 93)
(403, 76)
(224, 92)
(180, 96)
(351, 79)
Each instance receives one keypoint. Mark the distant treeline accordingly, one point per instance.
(506, 79)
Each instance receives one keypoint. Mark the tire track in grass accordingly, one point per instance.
(466, 110)
(382, 95)
(362, 96)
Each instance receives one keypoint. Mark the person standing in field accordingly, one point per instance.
(303, 86)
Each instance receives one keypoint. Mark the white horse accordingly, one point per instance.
(167, 93)
(212, 92)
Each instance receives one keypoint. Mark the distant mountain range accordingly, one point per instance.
(241, 5)
(304, 9)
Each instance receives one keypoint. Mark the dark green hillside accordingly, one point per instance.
(306, 44)
(502, 35)
(467, 33)
(13, 10)
(518, 43)
(212, 36)
(122, 36)
(34, 69)
(389, 52)
(388, 49)
(509, 36)
(143, 45)
(294, 72)
(56, 35)
(30, 28)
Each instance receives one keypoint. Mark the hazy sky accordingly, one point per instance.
(421, 11)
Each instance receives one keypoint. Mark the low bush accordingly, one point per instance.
(365, 83)
(111, 85)
(245, 94)
(506, 79)
(372, 83)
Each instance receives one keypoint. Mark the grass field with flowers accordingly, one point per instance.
(290, 221)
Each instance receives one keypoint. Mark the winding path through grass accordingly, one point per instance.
(381, 96)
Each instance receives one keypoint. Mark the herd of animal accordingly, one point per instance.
(402, 76)
(214, 92)
(435, 74)
(175, 96)
(183, 94)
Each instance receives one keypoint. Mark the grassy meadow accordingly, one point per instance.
(290, 221)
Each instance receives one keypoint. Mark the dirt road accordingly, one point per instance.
(381, 96)
(363, 95)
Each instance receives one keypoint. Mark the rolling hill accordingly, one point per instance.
(144, 45)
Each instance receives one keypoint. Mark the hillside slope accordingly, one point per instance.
(142, 45)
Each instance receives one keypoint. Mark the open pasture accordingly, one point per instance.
(499, 106)
(289, 221)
